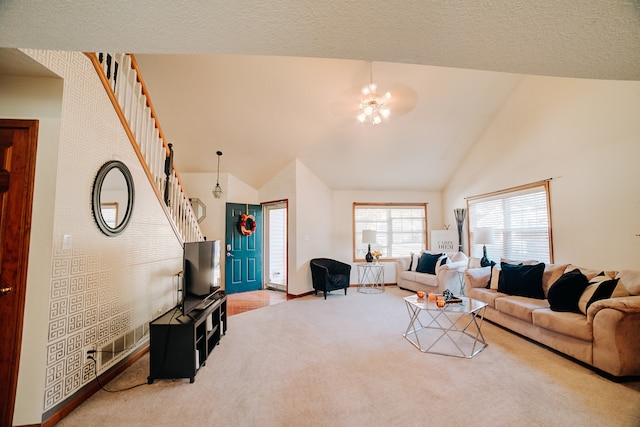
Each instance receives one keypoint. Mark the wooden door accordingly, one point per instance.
(18, 140)
(243, 253)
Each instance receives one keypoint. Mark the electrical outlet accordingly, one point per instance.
(90, 350)
(67, 242)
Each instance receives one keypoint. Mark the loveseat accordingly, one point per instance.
(445, 274)
(590, 315)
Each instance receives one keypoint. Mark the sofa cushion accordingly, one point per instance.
(522, 280)
(485, 295)
(426, 279)
(572, 324)
(519, 306)
(566, 291)
(600, 287)
(427, 263)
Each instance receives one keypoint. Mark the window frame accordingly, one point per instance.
(495, 251)
(357, 235)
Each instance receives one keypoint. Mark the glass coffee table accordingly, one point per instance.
(453, 330)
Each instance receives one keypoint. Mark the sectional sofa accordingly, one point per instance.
(590, 315)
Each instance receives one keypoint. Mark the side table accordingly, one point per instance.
(370, 278)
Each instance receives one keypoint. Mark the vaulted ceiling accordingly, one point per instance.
(266, 82)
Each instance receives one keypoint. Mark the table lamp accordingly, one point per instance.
(484, 237)
(369, 237)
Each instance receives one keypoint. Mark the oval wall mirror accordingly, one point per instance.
(112, 198)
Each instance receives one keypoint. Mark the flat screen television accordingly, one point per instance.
(201, 266)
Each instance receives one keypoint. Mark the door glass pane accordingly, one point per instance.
(277, 246)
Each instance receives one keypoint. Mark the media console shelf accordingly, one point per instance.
(180, 345)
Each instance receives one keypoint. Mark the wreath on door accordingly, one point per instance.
(247, 224)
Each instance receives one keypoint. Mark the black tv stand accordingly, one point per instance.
(180, 345)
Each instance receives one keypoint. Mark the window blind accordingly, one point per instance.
(400, 229)
(520, 219)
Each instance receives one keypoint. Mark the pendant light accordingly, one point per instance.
(217, 191)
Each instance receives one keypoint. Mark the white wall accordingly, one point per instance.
(104, 288)
(342, 229)
(585, 134)
(283, 187)
(40, 99)
(200, 186)
(313, 225)
(309, 220)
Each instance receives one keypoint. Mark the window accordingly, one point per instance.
(521, 222)
(400, 228)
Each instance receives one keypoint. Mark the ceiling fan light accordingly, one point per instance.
(372, 105)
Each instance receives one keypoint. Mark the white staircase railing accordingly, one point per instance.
(124, 85)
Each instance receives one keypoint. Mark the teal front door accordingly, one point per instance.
(243, 248)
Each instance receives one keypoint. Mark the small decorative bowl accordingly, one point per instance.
(420, 295)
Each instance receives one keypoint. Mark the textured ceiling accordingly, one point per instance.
(266, 92)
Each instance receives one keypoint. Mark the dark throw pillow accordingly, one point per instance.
(427, 263)
(521, 280)
(565, 292)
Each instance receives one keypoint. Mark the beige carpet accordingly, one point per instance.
(344, 362)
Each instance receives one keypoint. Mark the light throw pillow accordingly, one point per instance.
(427, 263)
(478, 277)
(458, 256)
(552, 272)
(630, 280)
(521, 280)
(494, 277)
(590, 273)
(600, 287)
(415, 258)
(565, 292)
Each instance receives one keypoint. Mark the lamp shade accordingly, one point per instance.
(369, 236)
(483, 236)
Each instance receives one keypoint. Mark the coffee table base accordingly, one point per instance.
(448, 333)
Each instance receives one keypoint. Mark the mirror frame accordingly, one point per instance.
(96, 197)
(203, 209)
